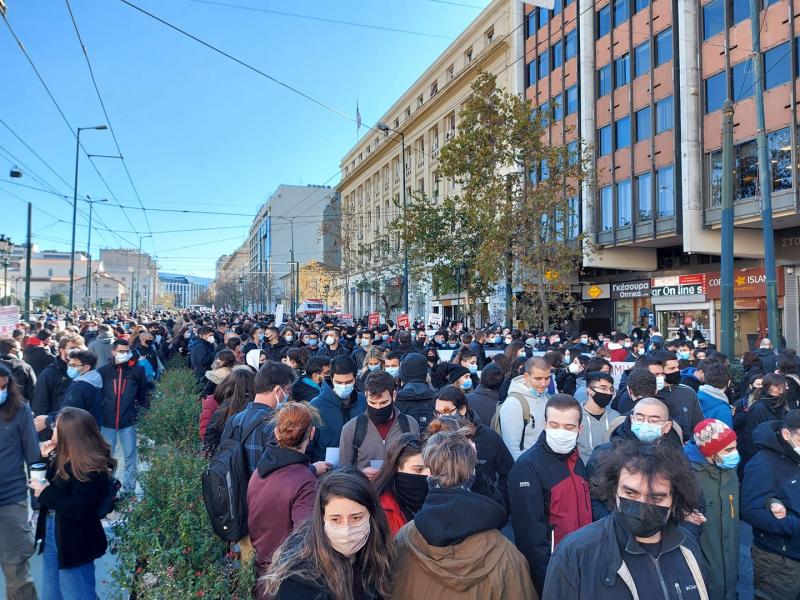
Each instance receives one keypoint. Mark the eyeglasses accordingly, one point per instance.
(452, 413)
(652, 419)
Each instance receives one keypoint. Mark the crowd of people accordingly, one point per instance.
(361, 462)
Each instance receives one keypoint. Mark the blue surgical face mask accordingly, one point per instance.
(646, 432)
(365, 342)
(473, 368)
(343, 390)
(729, 461)
(393, 371)
(497, 339)
(466, 384)
(3, 397)
(373, 367)
(684, 355)
(72, 372)
(313, 342)
(385, 336)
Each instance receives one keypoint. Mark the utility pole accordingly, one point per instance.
(28, 248)
(764, 181)
(726, 272)
(89, 250)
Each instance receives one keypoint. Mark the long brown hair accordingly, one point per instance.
(307, 553)
(81, 445)
(14, 401)
(235, 391)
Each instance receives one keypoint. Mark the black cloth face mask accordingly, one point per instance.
(379, 416)
(641, 519)
(411, 491)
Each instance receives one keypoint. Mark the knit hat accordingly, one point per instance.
(712, 435)
(414, 368)
(456, 372)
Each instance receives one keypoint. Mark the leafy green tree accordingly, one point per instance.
(58, 299)
(514, 218)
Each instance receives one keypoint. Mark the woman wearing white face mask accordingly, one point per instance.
(344, 551)
(373, 361)
(569, 378)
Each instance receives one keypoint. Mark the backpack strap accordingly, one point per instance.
(405, 424)
(359, 436)
(248, 432)
(526, 416)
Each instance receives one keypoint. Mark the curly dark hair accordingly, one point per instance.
(653, 460)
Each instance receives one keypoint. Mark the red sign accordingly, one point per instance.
(404, 321)
(747, 283)
(374, 319)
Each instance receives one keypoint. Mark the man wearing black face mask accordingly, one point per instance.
(637, 551)
(599, 418)
(365, 438)
(684, 407)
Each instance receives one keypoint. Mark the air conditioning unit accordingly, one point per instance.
(449, 135)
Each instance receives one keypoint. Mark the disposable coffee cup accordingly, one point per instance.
(39, 472)
(376, 464)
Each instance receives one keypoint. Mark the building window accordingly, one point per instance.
(606, 208)
(490, 36)
(644, 196)
(531, 23)
(451, 73)
(558, 107)
(544, 17)
(573, 219)
(532, 72)
(777, 65)
(624, 203)
(603, 21)
(557, 7)
(664, 115)
(715, 174)
(434, 88)
(571, 45)
(544, 64)
(604, 81)
(644, 127)
(746, 170)
(713, 18)
(604, 140)
(558, 54)
(640, 5)
(572, 99)
(420, 101)
(715, 92)
(779, 147)
(664, 46)
(621, 9)
(641, 59)
(572, 152)
(742, 80)
(622, 70)
(666, 192)
(468, 56)
(544, 113)
(741, 10)
(622, 133)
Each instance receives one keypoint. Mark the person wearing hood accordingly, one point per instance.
(364, 438)
(567, 379)
(618, 351)
(769, 405)
(519, 433)
(51, 384)
(714, 458)
(307, 387)
(494, 459)
(37, 352)
(598, 417)
(229, 398)
(202, 352)
(766, 355)
(255, 358)
(337, 403)
(453, 548)
(281, 492)
(639, 550)
(86, 389)
(648, 423)
(711, 395)
(771, 504)
(694, 377)
(483, 400)
(222, 366)
(124, 397)
(548, 487)
(402, 482)
(416, 398)
(20, 370)
(101, 345)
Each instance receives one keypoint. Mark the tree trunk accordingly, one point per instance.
(544, 304)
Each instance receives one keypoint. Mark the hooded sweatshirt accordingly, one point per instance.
(86, 392)
(280, 497)
(511, 423)
(714, 404)
(453, 549)
(252, 358)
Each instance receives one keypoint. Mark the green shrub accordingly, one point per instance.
(174, 413)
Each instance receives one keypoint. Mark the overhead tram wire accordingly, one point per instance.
(108, 120)
(61, 112)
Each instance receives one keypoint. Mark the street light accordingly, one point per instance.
(5, 252)
(386, 129)
(89, 250)
(75, 209)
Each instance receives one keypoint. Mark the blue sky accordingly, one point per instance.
(198, 132)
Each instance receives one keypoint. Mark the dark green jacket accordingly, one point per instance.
(719, 539)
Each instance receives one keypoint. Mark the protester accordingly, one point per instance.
(598, 417)
(332, 347)
(766, 355)
(37, 353)
(364, 438)
(77, 484)
(223, 364)
(402, 482)
(281, 492)
(520, 433)
(452, 548)
(231, 397)
(343, 551)
(11, 357)
(308, 387)
(484, 398)
(201, 352)
(548, 487)
(374, 360)
(51, 384)
(100, 346)
(769, 405)
(684, 408)
(637, 551)
(86, 389)
(19, 448)
(416, 397)
(714, 459)
(711, 394)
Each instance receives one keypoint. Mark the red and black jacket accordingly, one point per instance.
(124, 393)
(549, 496)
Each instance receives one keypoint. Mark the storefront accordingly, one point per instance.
(598, 308)
(632, 304)
(680, 301)
(749, 304)
(787, 252)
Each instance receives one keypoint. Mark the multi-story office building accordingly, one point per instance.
(427, 115)
(139, 273)
(642, 82)
(183, 289)
(291, 226)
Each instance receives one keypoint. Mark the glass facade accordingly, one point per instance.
(603, 81)
(622, 70)
(777, 65)
(644, 196)
(715, 92)
(666, 191)
(624, 203)
(643, 124)
(641, 59)
(604, 140)
(664, 46)
(622, 133)
(603, 21)
(606, 208)
(713, 18)
(664, 115)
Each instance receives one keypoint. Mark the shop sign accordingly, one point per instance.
(596, 291)
(374, 319)
(631, 289)
(679, 285)
(747, 283)
(787, 245)
(404, 322)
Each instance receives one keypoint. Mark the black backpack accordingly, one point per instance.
(225, 487)
(109, 502)
(361, 432)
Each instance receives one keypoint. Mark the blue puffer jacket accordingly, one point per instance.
(334, 413)
(773, 473)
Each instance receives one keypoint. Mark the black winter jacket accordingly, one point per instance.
(48, 394)
(684, 408)
(124, 393)
(201, 354)
(417, 400)
(38, 357)
(494, 459)
(484, 402)
(22, 373)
